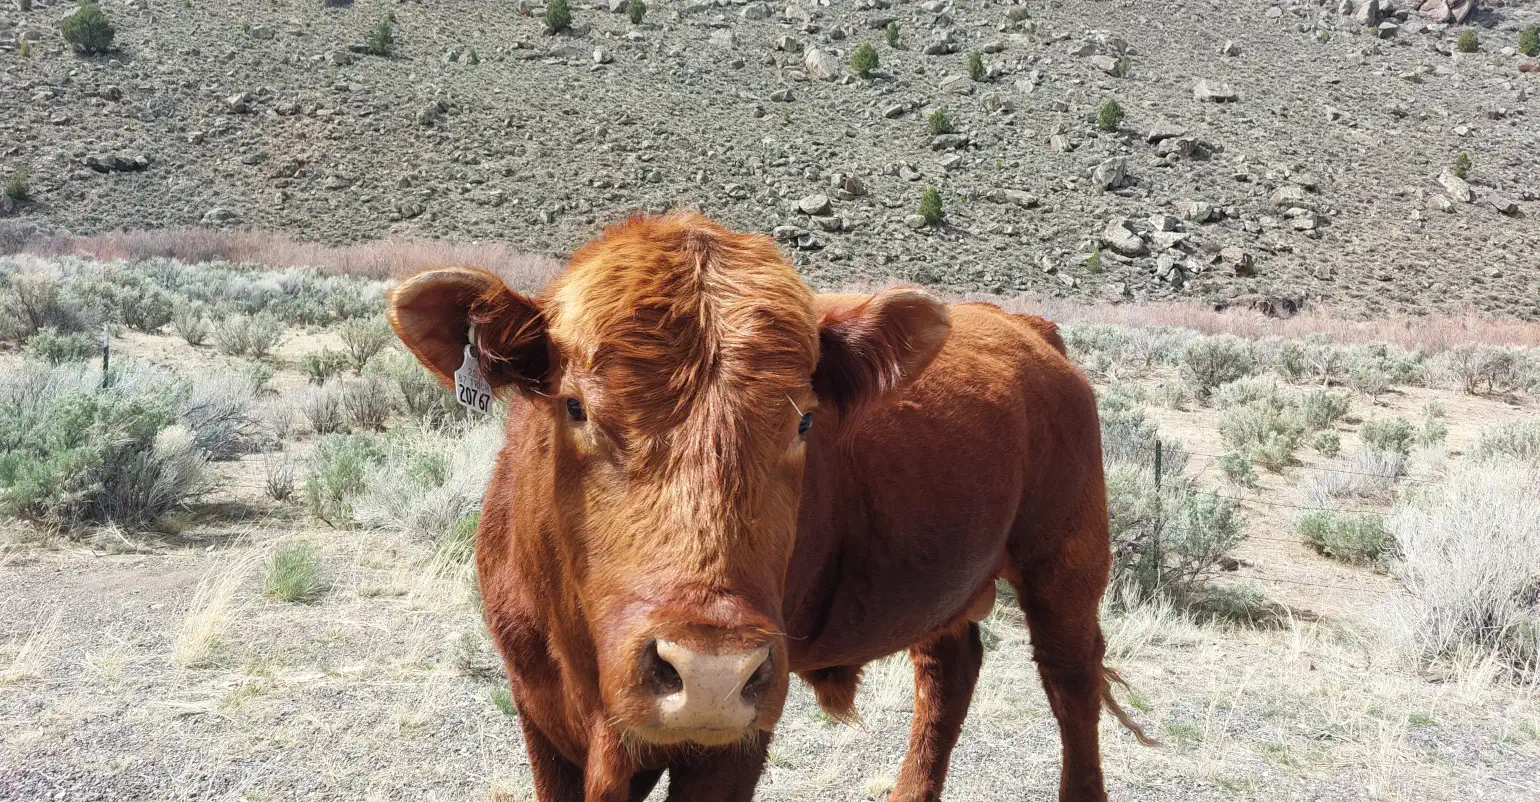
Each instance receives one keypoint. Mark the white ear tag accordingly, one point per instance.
(472, 389)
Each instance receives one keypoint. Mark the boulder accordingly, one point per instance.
(1119, 237)
(1206, 91)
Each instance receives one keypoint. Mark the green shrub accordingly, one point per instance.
(190, 322)
(1209, 362)
(324, 364)
(48, 345)
(1321, 409)
(364, 338)
(337, 473)
(890, 33)
(1433, 429)
(366, 404)
(421, 397)
(1170, 543)
(381, 39)
(322, 407)
(975, 66)
(1110, 118)
(243, 335)
(1327, 444)
(1529, 40)
(930, 206)
(1461, 166)
(1093, 263)
(1249, 390)
(1519, 440)
(635, 11)
(1357, 538)
(430, 482)
(939, 123)
(864, 59)
(88, 30)
(293, 574)
(1264, 431)
(19, 185)
(1467, 42)
(74, 452)
(558, 16)
(1238, 469)
(1394, 436)
(503, 701)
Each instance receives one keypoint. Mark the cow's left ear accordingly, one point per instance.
(433, 311)
(869, 347)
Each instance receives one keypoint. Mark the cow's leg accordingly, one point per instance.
(610, 775)
(556, 778)
(1061, 603)
(946, 668)
(726, 774)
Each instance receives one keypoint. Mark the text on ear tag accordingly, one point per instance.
(472, 389)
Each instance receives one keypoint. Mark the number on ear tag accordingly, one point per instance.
(472, 389)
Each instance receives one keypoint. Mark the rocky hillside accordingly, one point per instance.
(1289, 149)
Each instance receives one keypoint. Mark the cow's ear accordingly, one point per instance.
(869, 347)
(432, 312)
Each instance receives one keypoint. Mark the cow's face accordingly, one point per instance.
(681, 374)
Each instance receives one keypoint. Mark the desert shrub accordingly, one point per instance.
(1529, 40)
(1172, 395)
(1110, 117)
(88, 29)
(366, 403)
(48, 345)
(1209, 362)
(976, 66)
(324, 364)
(248, 335)
(1321, 409)
(1353, 538)
(890, 33)
(421, 397)
(277, 420)
(338, 471)
(191, 322)
(1247, 391)
(1467, 558)
(1394, 436)
(293, 573)
(502, 699)
(1487, 369)
(1467, 42)
(939, 123)
(864, 59)
(1432, 430)
(19, 186)
(1327, 444)
(322, 407)
(1519, 440)
(381, 39)
(73, 451)
(428, 484)
(930, 206)
(364, 338)
(558, 16)
(1167, 543)
(1369, 476)
(1461, 165)
(635, 11)
(460, 544)
(1369, 380)
(1260, 425)
(30, 301)
(222, 412)
(1238, 469)
(1093, 263)
(1129, 437)
(278, 478)
(1292, 362)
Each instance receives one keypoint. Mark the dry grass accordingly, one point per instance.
(377, 260)
(28, 660)
(203, 629)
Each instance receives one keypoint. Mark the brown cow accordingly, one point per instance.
(713, 479)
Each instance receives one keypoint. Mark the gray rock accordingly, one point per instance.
(916, 221)
(820, 65)
(263, 32)
(619, 6)
(1162, 131)
(1120, 238)
(1229, 48)
(1238, 261)
(1116, 67)
(895, 110)
(1439, 202)
(1456, 187)
(788, 44)
(1111, 173)
(1180, 146)
(814, 205)
(829, 223)
(785, 233)
(220, 214)
(1195, 210)
(782, 96)
(948, 141)
(756, 12)
(1163, 222)
(1501, 203)
(1026, 200)
(1206, 91)
(1060, 143)
(1289, 196)
(239, 103)
(602, 56)
(724, 38)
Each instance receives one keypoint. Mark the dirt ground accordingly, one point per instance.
(150, 667)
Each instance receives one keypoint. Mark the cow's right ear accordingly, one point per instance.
(432, 312)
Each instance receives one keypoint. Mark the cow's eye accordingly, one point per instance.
(575, 410)
(805, 424)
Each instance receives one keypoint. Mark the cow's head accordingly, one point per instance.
(680, 373)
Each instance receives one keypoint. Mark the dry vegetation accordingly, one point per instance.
(1330, 596)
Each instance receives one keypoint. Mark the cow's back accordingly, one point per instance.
(903, 523)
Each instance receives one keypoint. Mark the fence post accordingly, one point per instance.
(106, 354)
(1155, 549)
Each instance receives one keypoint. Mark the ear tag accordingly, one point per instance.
(472, 389)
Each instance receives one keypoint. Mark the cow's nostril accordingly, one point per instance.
(759, 680)
(658, 674)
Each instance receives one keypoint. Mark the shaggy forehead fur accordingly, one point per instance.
(672, 320)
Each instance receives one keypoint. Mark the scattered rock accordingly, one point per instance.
(1456, 187)
(1111, 173)
(820, 65)
(220, 214)
(1119, 237)
(814, 204)
(1501, 203)
(1206, 91)
(1238, 261)
(239, 103)
(916, 221)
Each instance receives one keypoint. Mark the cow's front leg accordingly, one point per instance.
(726, 774)
(556, 778)
(946, 668)
(611, 769)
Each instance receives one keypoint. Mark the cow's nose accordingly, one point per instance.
(697, 691)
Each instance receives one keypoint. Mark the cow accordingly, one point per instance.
(714, 478)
